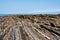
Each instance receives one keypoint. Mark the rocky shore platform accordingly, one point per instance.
(30, 27)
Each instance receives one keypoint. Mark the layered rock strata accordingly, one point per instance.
(30, 27)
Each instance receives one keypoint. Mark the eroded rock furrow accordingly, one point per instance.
(30, 27)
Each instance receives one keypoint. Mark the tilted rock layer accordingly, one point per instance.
(30, 27)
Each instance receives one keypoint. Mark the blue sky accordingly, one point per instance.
(28, 6)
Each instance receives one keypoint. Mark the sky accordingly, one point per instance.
(29, 6)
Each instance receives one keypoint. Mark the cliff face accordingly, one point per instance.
(31, 27)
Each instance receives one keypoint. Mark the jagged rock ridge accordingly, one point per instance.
(30, 27)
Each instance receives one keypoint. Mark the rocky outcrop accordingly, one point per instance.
(30, 27)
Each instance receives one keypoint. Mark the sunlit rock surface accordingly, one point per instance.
(31, 27)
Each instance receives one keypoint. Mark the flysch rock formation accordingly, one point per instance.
(30, 27)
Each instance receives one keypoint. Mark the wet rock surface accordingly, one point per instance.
(30, 27)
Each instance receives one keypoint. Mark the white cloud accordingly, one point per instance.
(34, 11)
